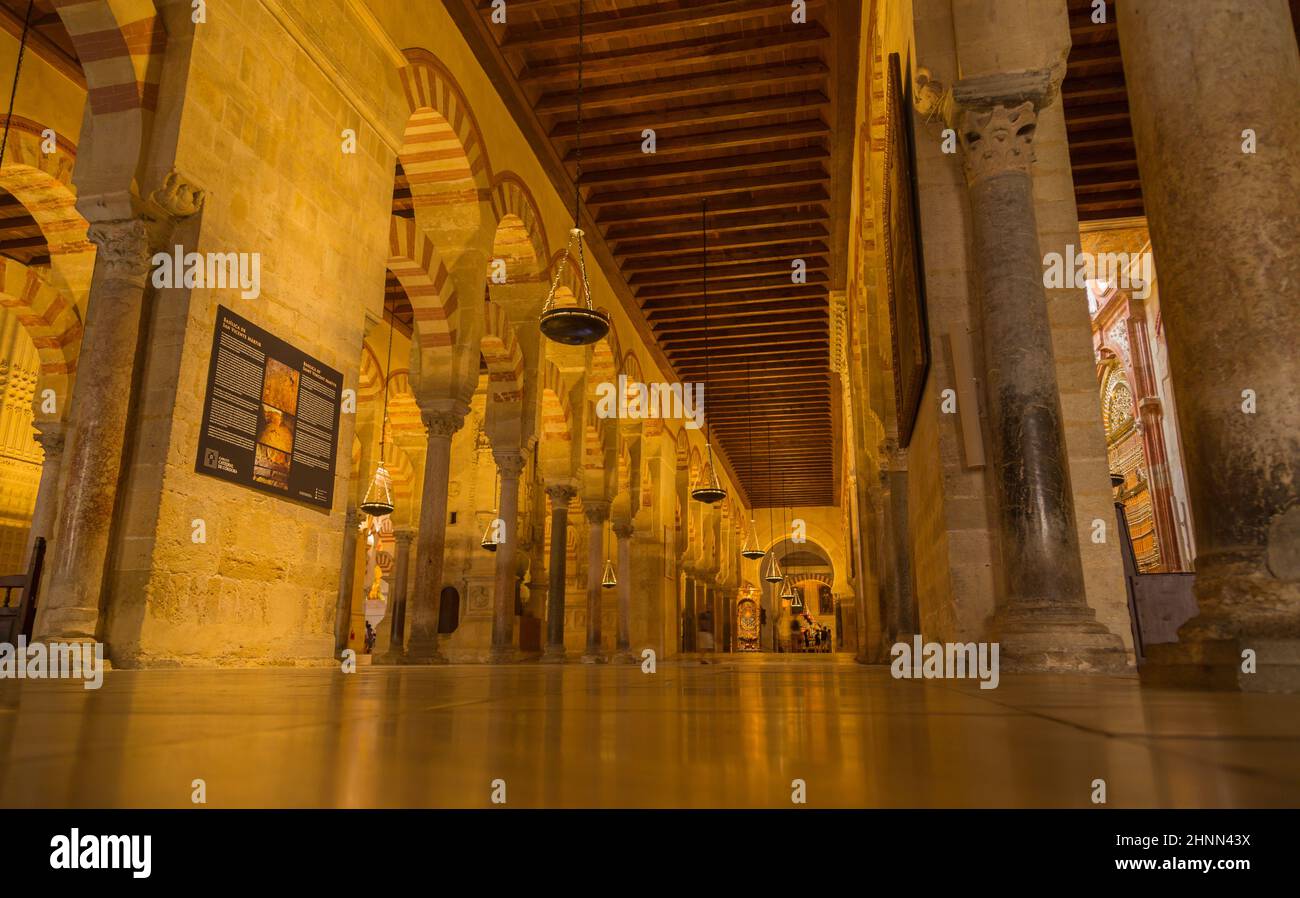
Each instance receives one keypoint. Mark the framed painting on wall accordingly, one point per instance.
(905, 283)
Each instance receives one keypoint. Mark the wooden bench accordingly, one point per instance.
(18, 614)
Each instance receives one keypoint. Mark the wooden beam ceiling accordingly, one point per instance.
(1095, 97)
(753, 113)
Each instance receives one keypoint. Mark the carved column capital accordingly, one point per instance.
(509, 463)
(596, 510)
(996, 116)
(561, 494)
(403, 538)
(998, 141)
(442, 423)
(51, 435)
(624, 529)
(122, 248)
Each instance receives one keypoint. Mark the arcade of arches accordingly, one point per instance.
(925, 435)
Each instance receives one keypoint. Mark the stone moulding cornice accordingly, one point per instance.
(1037, 87)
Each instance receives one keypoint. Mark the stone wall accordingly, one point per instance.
(270, 88)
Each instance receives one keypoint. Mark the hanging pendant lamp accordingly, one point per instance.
(707, 488)
(490, 540)
(796, 598)
(787, 593)
(379, 496)
(750, 548)
(580, 324)
(773, 574)
(607, 578)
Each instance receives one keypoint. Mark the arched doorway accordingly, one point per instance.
(809, 622)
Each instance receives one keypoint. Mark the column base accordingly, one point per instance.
(506, 655)
(554, 654)
(625, 656)
(590, 657)
(1216, 664)
(66, 624)
(1048, 639)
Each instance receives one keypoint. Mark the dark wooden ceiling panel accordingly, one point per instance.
(744, 113)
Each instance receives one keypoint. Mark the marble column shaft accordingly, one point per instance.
(623, 530)
(347, 575)
(597, 514)
(431, 540)
(509, 465)
(1206, 79)
(397, 599)
(50, 434)
(76, 571)
(560, 496)
(1043, 608)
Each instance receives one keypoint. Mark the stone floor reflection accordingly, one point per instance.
(732, 734)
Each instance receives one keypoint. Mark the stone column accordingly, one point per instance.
(509, 465)
(1223, 228)
(397, 599)
(624, 530)
(597, 513)
(347, 575)
(50, 434)
(1043, 622)
(560, 495)
(101, 400)
(1151, 413)
(431, 540)
(688, 613)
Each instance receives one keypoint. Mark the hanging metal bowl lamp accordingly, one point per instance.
(707, 488)
(750, 548)
(607, 578)
(490, 538)
(379, 495)
(774, 574)
(581, 324)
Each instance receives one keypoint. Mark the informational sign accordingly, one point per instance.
(270, 415)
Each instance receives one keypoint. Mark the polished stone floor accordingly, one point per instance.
(733, 734)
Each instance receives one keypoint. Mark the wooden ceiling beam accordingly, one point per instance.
(691, 294)
(700, 49)
(723, 260)
(662, 248)
(756, 309)
(737, 184)
(731, 202)
(811, 295)
(781, 267)
(621, 22)
(633, 123)
(747, 162)
(735, 221)
(669, 143)
(674, 87)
